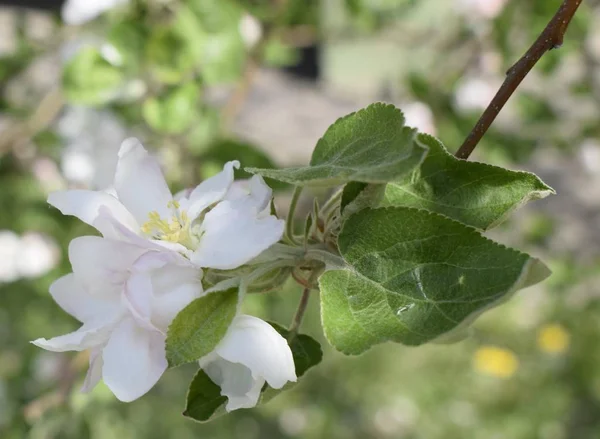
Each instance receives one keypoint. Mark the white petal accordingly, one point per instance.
(236, 382)
(85, 205)
(71, 296)
(140, 184)
(210, 191)
(76, 12)
(232, 237)
(175, 282)
(165, 307)
(88, 336)
(256, 196)
(94, 373)
(138, 297)
(134, 360)
(258, 346)
(113, 229)
(101, 264)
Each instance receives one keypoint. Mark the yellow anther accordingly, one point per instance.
(175, 229)
(173, 204)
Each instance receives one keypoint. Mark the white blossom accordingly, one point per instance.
(10, 244)
(474, 94)
(251, 353)
(76, 12)
(126, 296)
(213, 226)
(92, 138)
(38, 254)
(31, 255)
(251, 30)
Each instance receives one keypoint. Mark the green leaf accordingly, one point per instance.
(200, 326)
(350, 192)
(204, 401)
(372, 146)
(90, 79)
(173, 112)
(204, 398)
(169, 58)
(413, 276)
(476, 194)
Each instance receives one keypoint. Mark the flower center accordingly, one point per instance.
(177, 229)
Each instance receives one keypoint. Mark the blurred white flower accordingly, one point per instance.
(489, 9)
(76, 12)
(251, 353)
(250, 29)
(474, 94)
(38, 254)
(213, 226)
(589, 155)
(92, 140)
(31, 255)
(9, 250)
(419, 115)
(126, 296)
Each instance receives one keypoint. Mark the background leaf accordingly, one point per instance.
(414, 276)
(371, 145)
(200, 326)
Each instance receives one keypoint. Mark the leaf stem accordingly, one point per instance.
(302, 305)
(550, 38)
(289, 223)
(332, 200)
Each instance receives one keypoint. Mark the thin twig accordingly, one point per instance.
(550, 38)
(303, 304)
(299, 313)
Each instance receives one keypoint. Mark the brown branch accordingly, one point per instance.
(550, 38)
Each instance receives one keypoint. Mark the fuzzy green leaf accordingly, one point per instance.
(200, 326)
(476, 194)
(372, 145)
(413, 276)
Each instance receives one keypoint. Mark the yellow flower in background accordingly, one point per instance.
(495, 361)
(553, 339)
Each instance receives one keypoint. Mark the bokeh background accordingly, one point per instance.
(205, 81)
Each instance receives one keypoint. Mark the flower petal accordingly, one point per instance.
(210, 191)
(94, 373)
(175, 282)
(74, 298)
(256, 196)
(113, 229)
(138, 297)
(87, 336)
(101, 264)
(166, 306)
(85, 205)
(258, 346)
(140, 184)
(134, 360)
(236, 382)
(232, 237)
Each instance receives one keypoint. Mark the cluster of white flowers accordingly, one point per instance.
(128, 285)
